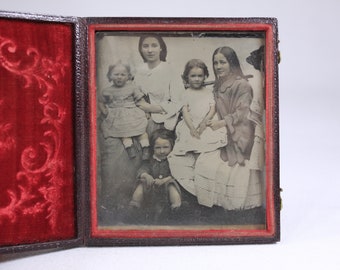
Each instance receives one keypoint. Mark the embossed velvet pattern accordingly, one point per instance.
(37, 201)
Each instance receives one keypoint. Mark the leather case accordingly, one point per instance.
(52, 190)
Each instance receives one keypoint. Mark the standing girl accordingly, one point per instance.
(119, 104)
(193, 134)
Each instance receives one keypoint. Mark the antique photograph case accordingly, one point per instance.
(146, 131)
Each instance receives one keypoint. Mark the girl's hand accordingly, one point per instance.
(105, 111)
(194, 133)
(216, 124)
(229, 123)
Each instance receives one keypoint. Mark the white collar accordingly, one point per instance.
(156, 158)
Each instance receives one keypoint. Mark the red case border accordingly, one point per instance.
(190, 236)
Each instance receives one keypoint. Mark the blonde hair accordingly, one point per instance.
(126, 65)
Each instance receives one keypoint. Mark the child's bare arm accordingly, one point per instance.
(188, 121)
(211, 113)
(147, 107)
(203, 125)
(102, 108)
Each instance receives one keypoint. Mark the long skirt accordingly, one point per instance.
(214, 182)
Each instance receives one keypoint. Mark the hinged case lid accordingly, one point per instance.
(42, 101)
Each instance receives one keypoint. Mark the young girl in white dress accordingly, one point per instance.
(193, 134)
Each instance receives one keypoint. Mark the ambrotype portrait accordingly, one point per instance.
(180, 124)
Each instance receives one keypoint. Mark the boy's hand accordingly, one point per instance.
(159, 182)
(147, 179)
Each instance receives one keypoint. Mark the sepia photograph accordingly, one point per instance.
(180, 130)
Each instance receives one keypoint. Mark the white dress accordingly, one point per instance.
(213, 182)
(163, 88)
(199, 103)
(232, 188)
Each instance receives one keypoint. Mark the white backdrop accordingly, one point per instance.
(309, 131)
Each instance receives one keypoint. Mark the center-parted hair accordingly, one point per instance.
(194, 63)
(232, 59)
(164, 51)
(163, 134)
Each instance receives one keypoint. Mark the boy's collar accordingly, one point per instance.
(156, 158)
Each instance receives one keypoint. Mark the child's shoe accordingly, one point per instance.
(146, 153)
(131, 151)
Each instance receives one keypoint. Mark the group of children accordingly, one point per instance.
(124, 118)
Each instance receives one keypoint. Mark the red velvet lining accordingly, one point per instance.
(36, 132)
